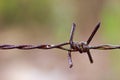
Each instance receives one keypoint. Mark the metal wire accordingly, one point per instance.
(60, 46)
(82, 47)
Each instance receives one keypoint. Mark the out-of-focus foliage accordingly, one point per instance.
(111, 21)
(20, 11)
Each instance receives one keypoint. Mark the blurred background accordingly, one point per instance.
(49, 22)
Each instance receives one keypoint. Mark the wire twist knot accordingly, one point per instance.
(82, 47)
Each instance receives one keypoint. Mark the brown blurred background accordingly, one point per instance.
(49, 21)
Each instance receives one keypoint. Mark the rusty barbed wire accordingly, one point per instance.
(29, 47)
(81, 47)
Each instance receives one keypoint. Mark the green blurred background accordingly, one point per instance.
(49, 21)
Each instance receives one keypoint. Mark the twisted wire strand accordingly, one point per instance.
(105, 47)
(28, 47)
(58, 46)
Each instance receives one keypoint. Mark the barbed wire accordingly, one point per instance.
(81, 47)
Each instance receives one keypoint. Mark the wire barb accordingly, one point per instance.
(81, 47)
